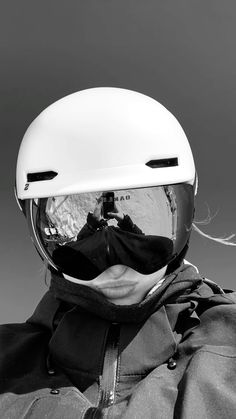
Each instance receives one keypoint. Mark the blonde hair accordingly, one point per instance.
(227, 240)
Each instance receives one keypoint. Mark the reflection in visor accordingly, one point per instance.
(84, 234)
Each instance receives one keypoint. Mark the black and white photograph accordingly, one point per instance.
(118, 209)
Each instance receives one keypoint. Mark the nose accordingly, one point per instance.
(117, 270)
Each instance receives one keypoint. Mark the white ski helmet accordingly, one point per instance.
(113, 148)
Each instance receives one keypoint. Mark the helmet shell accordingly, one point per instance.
(101, 139)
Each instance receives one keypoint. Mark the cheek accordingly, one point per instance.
(147, 282)
(143, 287)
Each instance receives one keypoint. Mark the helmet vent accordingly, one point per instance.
(155, 164)
(36, 177)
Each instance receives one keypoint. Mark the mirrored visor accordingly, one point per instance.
(82, 235)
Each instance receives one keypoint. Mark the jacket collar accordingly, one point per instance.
(92, 301)
(182, 285)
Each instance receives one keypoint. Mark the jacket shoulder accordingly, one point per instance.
(21, 346)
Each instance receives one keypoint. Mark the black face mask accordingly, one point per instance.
(89, 257)
(82, 235)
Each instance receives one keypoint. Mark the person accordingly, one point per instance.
(128, 329)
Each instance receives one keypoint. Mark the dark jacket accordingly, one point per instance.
(175, 360)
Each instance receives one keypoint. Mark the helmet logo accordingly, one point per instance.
(122, 198)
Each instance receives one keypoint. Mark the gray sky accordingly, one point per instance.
(181, 53)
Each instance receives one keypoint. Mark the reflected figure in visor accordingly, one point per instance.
(127, 328)
(98, 219)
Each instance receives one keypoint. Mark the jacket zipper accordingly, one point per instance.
(108, 379)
